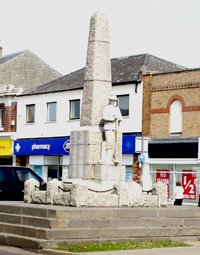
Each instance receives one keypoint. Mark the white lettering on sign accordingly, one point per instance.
(41, 147)
(165, 181)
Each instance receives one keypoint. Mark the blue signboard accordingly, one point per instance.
(60, 146)
(128, 144)
(51, 146)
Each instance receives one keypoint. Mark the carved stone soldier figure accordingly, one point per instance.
(111, 119)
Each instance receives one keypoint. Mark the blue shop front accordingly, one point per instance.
(49, 157)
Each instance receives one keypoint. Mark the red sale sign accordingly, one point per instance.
(164, 177)
(188, 183)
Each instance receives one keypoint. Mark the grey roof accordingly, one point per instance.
(124, 70)
(9, 57)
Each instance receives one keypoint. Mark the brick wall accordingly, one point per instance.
(146, 116)
(136, 169)
(13, 116)
(7, 119)
(159, 93)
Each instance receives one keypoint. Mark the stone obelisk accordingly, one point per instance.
(94, 180)
(86, 145)
(98, 84)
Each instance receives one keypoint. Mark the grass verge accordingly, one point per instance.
(111, 246)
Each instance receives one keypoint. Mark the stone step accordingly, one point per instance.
(60, 212)
(123, 233)
(127, 213)
(99, 232)
(38, 244)
(94, 223)
(24, 241)
(135, 222)
(36, 226)
(32, 221)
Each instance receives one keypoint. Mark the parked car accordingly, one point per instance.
(12, 180)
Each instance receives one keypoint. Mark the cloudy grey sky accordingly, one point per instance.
(57, 30)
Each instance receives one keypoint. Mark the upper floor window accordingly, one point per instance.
(74, 109)
(51, 111)
(176, 118)
(30, 113)
(123, 101)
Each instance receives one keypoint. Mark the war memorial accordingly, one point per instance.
(95, 204)
(96, 175)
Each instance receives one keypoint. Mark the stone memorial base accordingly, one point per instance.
(84, 193)
(93, 182)
(109, 173)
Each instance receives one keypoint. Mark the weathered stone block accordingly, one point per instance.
(29, 186)
(109, 173)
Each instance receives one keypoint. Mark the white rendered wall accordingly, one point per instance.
(133, 123)
(63, 126)
(41, 128)
(127, 159)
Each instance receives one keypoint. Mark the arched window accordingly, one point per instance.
(176, 118)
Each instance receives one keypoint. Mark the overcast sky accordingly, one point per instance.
(57, 30)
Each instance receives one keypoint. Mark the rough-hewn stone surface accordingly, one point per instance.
(85, 151)
(92, 194)
(97, 86)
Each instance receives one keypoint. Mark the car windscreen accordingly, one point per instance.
(24, 175)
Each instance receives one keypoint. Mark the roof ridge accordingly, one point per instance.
(123, 57)
(14, 54)
(9, 57)
(162, 59)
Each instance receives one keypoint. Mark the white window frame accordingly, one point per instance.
(128, 109)
(51, 111)
(176, 118)
(72, 109)
(30, 113)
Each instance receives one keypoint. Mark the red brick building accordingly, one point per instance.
(171, 120)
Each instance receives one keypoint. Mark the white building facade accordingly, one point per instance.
(46, 120)
(47, 114)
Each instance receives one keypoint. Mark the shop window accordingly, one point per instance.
(51, 111)
(54, 172)
(188, 175)
(129, 173)
(123, 101)
(30, 113)
(74, 109)
(176, 118)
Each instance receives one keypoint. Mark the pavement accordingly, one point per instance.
(194, 249)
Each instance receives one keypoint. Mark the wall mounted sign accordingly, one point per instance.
(49, 146)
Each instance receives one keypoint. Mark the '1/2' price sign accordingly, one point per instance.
(188, 183)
